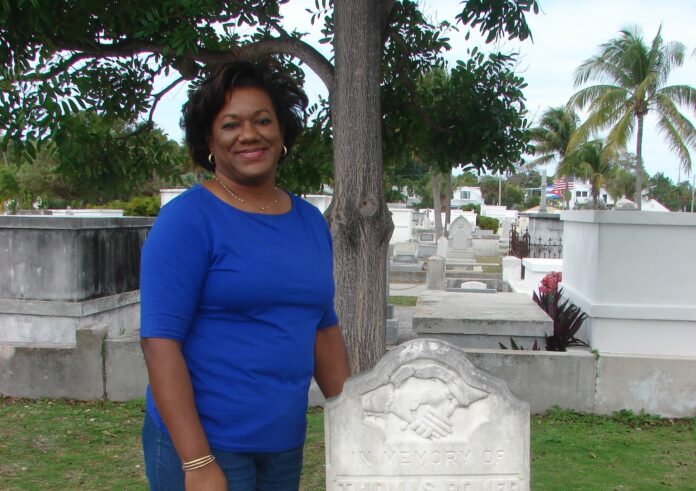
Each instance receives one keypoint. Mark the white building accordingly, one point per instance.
(466, 195)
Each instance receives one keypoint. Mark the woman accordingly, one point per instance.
(237, 298)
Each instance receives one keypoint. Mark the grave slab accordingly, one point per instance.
(472, 320)
(426, 419)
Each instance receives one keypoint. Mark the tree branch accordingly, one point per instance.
(288, 46)
(61, 67)
(157, 97)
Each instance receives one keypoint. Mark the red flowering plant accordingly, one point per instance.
(549, 284)
(567, 317)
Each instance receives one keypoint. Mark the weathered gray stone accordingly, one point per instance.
(471, 320)
(426, 419)
(426, 250)
(392, 331)
(435, 279)
(460, 235)
(543, 378)
(74, 372)
(663, 385)
(406, 251)
(69, 259)
(56, 322)
(442, 246)
(512, 268)
(124, 368)
(474, 285)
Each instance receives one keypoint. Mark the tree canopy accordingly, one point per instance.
(60, 56)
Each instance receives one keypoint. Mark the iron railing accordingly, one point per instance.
(523, 246)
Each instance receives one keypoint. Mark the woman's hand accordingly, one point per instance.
(208, 478)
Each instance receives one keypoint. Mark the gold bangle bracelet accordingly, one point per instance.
(197, 463)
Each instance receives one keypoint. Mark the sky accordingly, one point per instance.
(565, 33)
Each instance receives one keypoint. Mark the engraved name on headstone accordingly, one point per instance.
(425, 419)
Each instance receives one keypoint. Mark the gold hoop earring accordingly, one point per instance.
(285, 152)
(211, 159)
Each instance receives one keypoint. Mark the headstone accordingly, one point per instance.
(427, 237)
(435, 276)
(474, 285)
(512, 268)
(442, 246)
(460, 235)
(406, 251)
(425, 419)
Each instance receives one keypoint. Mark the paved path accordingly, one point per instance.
(405, 314)
(406, 289)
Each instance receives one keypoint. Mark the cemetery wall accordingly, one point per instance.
(587, 382)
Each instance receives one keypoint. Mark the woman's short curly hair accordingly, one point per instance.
(206, 101)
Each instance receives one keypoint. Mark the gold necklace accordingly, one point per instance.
(245, 202)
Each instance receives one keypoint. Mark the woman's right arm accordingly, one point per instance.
(171, 388)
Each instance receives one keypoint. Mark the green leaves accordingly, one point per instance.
(499, 17)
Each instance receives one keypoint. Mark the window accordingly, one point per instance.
(464, 194)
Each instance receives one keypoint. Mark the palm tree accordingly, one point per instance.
(633, 76)
(592, 161)
(552, 137)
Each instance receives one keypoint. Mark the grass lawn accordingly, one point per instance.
(403, 301)
(64, 445)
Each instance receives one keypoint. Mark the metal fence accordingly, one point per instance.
(521, 245)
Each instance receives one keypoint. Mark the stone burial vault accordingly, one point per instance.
(425, 419)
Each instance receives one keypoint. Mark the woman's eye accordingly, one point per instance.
(230, 125)
(264, 121)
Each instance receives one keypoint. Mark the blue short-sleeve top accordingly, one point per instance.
(244, 293)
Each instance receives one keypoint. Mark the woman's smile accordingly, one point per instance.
(246, 139)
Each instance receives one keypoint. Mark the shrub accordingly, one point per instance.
(567, 317)
(471, 207)
(487, 223)
(140, 206)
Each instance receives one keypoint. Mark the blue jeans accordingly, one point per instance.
(274, 471)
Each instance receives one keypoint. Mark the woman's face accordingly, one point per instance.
(246, 138)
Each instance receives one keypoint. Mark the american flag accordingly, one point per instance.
(559, 185)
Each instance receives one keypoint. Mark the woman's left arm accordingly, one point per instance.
(330, 361)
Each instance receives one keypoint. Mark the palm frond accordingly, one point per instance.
(543, 160)
(673, 54)
(621, 132)
(675, 143)
(684, 95)
(579, 137)
(667, 109)
(600, 68)
(584, 97)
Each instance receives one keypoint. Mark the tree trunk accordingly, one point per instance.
(639, 162)
(360, 222)
(448, 202)
(437, 204)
